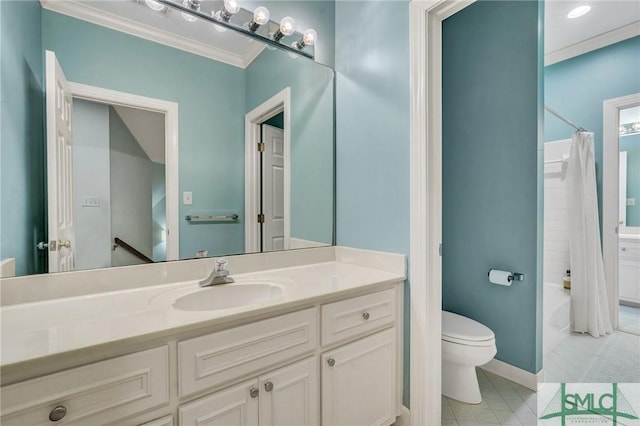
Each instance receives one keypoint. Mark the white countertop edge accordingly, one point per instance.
(34, 288)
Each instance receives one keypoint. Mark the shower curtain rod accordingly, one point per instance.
(579, 129)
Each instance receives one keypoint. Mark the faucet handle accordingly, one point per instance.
(221, 264)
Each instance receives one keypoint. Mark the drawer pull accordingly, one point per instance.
(623, 248)
(58, 413)
(268, 386)
(365, 315)
(253, 392)
(331, 362)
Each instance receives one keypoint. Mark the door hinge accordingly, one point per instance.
(261, 218)
(260, 146)
(440, 249)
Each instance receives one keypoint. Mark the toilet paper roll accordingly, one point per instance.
(500, 277)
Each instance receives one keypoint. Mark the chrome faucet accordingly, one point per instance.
(220, 275)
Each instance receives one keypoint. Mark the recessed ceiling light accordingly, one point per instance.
(578, 12)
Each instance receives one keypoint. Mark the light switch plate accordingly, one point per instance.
(187, 198)
(90, 201)
(631, 201)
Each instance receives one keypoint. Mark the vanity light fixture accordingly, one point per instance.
(309, 38)
(193, 5)
(578, 12)
(156, 6)
(260, 17)
(287, 27)
(230, 8)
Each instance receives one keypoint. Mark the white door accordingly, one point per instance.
(273, 188)
(234, 406)
(289, 396)
(359, 382)
(59, 168)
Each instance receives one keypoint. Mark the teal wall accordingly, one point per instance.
(491, 103)
(311, 135)
(631, 144)
(577, 87)
(372, 131)
(22, 161)
(211, 102)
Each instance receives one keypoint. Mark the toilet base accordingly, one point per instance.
(460, 382)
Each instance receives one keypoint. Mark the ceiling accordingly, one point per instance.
(605, 16)
(147, 127)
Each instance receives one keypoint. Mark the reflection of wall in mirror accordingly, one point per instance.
(631, 144)
(576, 88)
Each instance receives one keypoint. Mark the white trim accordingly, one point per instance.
(426, 203)
(280, 102)
(610, 181)
(593, 43)
(86, 12)
(517, 375)
(170, 110)
(404, 419)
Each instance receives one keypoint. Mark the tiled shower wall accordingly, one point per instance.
(556, 235)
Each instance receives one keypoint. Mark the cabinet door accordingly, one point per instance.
(234, 406)
(359, 382)
(289, 396)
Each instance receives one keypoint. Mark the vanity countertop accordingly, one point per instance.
(49, 327)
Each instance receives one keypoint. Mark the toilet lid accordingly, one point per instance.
(459, 329)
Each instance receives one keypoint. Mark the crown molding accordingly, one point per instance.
(109, 20)
(593, 43)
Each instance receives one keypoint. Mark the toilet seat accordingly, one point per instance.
(465, 331)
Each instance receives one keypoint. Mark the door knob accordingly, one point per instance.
(65, 244)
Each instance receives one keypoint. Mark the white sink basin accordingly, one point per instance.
(227, 296)
(245, 291)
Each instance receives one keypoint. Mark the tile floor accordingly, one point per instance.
(629, 319)
(581, 358)
(503, 403)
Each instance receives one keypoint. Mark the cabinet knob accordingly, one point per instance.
(331, 362)
(365, 315)
(253, 392)
(58, 413)
(268, 386)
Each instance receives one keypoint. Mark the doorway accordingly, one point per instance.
(267, 175)
(64, 200)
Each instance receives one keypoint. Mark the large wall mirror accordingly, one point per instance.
(175, 138)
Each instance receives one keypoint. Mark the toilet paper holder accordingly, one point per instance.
(513, 276)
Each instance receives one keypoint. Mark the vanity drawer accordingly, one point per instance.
(94, 394)
(212, 360)
(629, 249)
(349, 318)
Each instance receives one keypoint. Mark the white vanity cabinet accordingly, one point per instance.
(287, 396)
(629, 270)
(334, 361)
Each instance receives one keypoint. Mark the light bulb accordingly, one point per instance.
(578, 12)
(231, 6)
(287, 25)
(309, 38)
(154, 5)
(261, 15)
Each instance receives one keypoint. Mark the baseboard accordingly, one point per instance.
(522, 377)
(405, 417)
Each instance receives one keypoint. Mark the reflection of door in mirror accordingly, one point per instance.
(272, 184)
(629, 219)
(107, 195)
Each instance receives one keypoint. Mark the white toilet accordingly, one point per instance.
(466, 344)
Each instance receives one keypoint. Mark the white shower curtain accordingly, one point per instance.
(589, 307)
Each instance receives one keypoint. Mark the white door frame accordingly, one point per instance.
(426, 203)
(610, 181)
(170, 111)
(280, 102)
